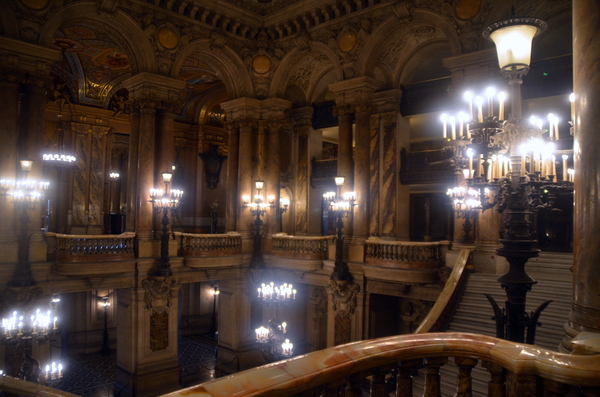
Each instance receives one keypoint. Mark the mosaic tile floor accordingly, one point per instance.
(94, 375)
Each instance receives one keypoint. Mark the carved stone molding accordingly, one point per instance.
(158, 293)
(343, 296)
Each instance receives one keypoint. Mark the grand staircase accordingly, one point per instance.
(474, 313)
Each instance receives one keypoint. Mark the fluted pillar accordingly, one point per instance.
(585, 309)
(231, 209)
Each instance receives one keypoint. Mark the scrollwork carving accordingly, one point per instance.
(158, 293)
(343, 297)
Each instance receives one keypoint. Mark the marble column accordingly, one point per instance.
(362, 177)
(9, 134)
(165, 155)
(389, 175)
(245, 175)
(345, 161)
(31, 139)
(132, 172)
(345, 165)
(302, 125)
(585, 309)
(166, 143)
(146, 170)
(232, 193)
(273, 182)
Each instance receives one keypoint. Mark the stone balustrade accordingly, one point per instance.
(300, 247)
(402, 261)
(210, 245)
(391, 362)
(73, 248)
(390, 253)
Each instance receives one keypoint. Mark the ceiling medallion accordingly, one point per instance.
(347, 41)
(167, 38)
(35, 4)
(467, 9)
(261, 64)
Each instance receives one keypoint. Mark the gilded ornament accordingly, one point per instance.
(167, 38)
(261, 64)
(35, 4)
(347, 41)
(467, 9)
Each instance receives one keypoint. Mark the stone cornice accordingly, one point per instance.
(26, 57)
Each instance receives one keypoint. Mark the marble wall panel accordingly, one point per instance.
(96, 176)
(80, 175)
(301, 201)
(374, 184)
(389, 175)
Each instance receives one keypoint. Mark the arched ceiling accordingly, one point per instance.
(204, 90)
(95, 64)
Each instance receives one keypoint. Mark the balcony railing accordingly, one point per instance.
(72, 248)
(402, 253)
(300, 247)
(525, 370)
(210, 245)
(402, 261)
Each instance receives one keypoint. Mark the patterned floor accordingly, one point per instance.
(94, 375)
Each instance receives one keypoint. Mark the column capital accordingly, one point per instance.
(302, 117)
(354, 91)
(147, 90)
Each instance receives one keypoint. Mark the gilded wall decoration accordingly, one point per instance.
(343, 331)
(158, 293)
(158, 297)
(159, 331)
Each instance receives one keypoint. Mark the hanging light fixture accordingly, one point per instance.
(59, 157)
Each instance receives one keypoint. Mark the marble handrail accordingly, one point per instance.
(301, 247)
(94, 247)
(211, 245)
(392, 253)
(346, 366)
(445, 302)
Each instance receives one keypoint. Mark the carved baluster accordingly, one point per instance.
(353, 387)
(404, 379)
(432, 379)
(465, 366)
(378, 385)
(553, 388)
(497, 384)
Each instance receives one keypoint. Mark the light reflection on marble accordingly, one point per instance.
(374, 188)
(388, 185)
(321, 367)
